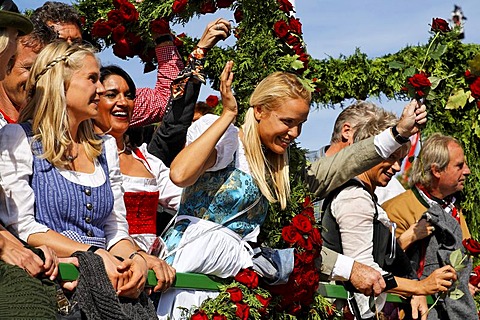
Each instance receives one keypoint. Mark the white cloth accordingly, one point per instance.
(16, 167)
(354, 210)
(391, 190)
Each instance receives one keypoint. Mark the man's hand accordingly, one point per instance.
(366, 279)
(419, 307)
(414, 116)
(20, 256)
(163, 271)
(439, 281)
(215, 31)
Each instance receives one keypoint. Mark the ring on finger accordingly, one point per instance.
(433, 229)
(218, 27)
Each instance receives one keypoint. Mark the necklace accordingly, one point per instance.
(71, 158)
(123, 150)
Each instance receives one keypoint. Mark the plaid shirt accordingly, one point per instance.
(151, 104)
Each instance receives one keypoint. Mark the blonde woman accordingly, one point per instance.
(62, 181)
(230, 174)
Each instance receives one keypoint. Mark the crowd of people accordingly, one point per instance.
(79, 183)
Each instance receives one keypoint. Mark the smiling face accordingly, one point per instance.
(382, 173)
(8, 51)
(16, 79)
(83, 92)
(116, 106)
(452, 179)
(278, 128)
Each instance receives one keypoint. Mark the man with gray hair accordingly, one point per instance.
(429, 223)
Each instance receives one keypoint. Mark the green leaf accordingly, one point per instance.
(396, 65)
(438, 52)
(297, 64)
(435, 81)
(456, 258)
(409, 72)
(457, 99)
(455, 294)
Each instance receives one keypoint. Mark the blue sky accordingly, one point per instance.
(331, 28)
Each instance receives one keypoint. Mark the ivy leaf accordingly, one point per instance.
(438, 51)
(396, 65)
(297, 64)
(456, 294)
(457, 99)
(435, 81)
(456, 258)
(409, 72)
(308, 84)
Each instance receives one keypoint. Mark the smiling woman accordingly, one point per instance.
(66, 193)
(236, 172)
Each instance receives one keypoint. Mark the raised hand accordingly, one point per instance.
(228, 100)
(414, 117)
(215, 31)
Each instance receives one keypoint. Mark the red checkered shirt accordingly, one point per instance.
(150, 104)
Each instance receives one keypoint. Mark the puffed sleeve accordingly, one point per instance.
(170, 193)
(16, 163)
(225, 147)
(116, 227)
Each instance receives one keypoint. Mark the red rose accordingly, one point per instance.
(212, 101)
(129, 12)
(311, 278)
(293, 41)
(122, 49)
(101, 29)
(118, 3)
(295, 25)
(281, 29)
(243, 311)
(298, 49)
(316, 237)
(474, 280)
(238, 15)
(439, 24)
(179, 5)
(199, 315)
(291, 235)
(472, 246)
(305, 243)
(118, 33)
(160, 26)
(285, 6)
(177, 42)
(135, 39)
(475, 88)
(217, 316)
(302, 223)
(308, 211)
(224, 3)
(114, 17)
(208, 7)
(235, 294)
(420, 83)
(265, 303)
(248, 278)
(304, 257)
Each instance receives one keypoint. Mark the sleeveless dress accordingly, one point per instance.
(218, 216)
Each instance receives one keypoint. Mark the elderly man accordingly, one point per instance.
(328, 173)
(12, 88)
(429, 224)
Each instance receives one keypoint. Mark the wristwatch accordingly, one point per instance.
(400, 139)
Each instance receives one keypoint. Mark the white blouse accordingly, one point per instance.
(170, 193)
(228, 147)
(16, 167)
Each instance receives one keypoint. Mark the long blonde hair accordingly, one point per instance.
(47, 84)
(270, 170)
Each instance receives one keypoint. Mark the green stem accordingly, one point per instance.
(428, 49)
(434, 304)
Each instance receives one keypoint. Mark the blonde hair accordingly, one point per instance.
(47, 85)
(270, 170)
(434, 152)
